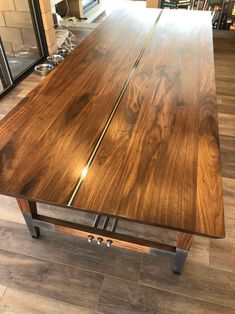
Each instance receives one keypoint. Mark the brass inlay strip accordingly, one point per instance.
(85, 170)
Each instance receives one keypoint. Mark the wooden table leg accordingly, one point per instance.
(29, 210)
(183, 244)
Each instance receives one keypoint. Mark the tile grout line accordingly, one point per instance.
(186, 296)
(128, 280)
(222, 269)
(99, 296)
(45, 297)
(141, 263)
(96, 272)
(64, 264)
(3, 294)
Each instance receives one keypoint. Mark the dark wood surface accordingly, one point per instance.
(184, 241)
(47, 138)
(159, 160)
(27, 207)
(205, 287)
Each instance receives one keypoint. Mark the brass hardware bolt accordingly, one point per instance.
(90, 238)
(99, 240)
(109, 243)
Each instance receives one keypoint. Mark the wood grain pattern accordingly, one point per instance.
(222, 254)
(53, 129)
(27, 207)
(209, 201)
(119, 296)
(21, 302)
(199, 281)
(184, 241)
(124, 295)
(80, 287)
(159, 162)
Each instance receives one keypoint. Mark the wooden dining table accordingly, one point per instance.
(124, 128)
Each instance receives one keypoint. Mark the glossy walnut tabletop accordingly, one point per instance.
(125, 126)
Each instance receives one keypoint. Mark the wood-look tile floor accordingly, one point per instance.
(62, 274)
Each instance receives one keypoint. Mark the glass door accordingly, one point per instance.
(22, 39)
(5, 76)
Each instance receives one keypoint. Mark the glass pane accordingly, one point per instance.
(5, 80)
(18, 35)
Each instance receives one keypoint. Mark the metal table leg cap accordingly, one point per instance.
(176, 272)
(109, 243)
(90, 238)
(35, 236)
